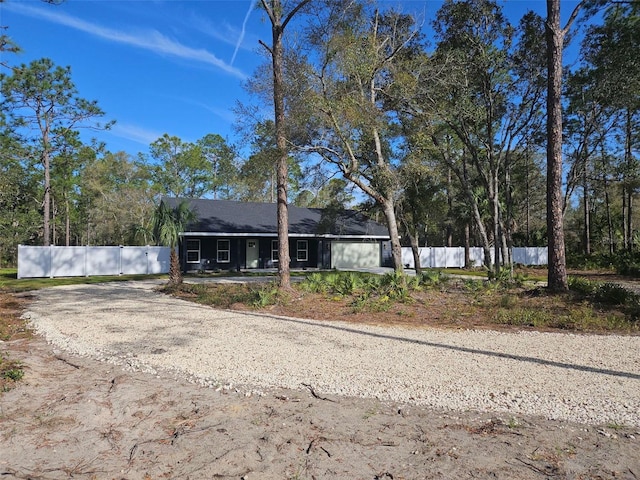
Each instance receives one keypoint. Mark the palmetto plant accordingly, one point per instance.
(168, 222)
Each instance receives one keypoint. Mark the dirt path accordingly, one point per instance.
(77, 417)
(74, 417)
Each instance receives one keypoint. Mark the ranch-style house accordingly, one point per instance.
(231, 235)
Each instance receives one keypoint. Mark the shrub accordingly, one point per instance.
(613, 294)
(582, 286)
(264, 295)
(394, 285)
(431, 278)
(314, 283)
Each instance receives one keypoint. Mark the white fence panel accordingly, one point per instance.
(56, 261)
(133, 260)
(64, 261)
(103, 261)
(33, 262)
(531, 255)
(476, 256)
(158, 259)
(453, 257)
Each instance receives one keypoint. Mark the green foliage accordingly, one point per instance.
(225, 296)
(369, 291)
(605, 293)
(595, 261)
(10, 372)
(581, 318)
(264, 295)
(106, 184)
(315, 283)
(473, 285)
(339, 283)
(168, 221)
(394, 286)
(376, 294)
(14, 374)
(347, 284)
(432, 278)
(582, 286)
(613, 294)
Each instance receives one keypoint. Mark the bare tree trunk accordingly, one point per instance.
(557, 273)
(587, 214)
(282, 166)
(67, 232)
(274, 9)
(396, 249)
(175, 275)
(607, 203)
(508, 225)
(631, 180)
(46, 204)
(467, 246)
(54, 219)
(450, 211)
(625, 238)
(415, 250)
(528, 199)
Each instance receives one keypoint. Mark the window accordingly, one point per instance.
(193, 251)
(302, 249)
(224, 251)
(274, 250)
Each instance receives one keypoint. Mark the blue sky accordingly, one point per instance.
(158, 67)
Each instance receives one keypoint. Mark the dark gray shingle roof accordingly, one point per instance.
(231, 217)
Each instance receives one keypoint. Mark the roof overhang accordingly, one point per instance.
(292, 235)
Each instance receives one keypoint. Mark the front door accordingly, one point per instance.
(252, 253)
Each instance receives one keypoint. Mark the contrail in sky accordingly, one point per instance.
(244, 26)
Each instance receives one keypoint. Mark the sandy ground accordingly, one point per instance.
(76, 417)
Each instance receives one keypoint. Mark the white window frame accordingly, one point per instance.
(220, 250)
(304, 250)
(274, 251)
(191, 250)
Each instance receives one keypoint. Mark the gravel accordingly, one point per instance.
(592, 379)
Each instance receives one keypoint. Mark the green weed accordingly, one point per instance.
(10, 373)
(264, 296)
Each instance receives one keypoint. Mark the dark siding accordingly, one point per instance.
(387, 255)
(311, 250)
(209, 255)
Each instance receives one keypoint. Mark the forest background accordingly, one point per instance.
(444, 135)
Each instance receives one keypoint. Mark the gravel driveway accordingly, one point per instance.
(585, 378)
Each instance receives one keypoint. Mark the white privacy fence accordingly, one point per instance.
(453, 257)
(55, 261)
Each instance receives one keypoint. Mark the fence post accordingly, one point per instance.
(18, 275)
(50, 261)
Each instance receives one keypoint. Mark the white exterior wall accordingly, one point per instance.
(345, 255)
(55, 261)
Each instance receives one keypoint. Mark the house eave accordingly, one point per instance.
(292, 235)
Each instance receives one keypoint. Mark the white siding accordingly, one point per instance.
(345, 255)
